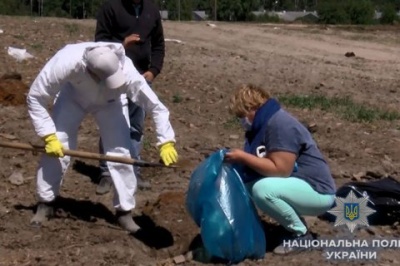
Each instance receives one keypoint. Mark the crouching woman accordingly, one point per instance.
(281, 165)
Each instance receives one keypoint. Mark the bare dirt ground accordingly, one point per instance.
(195, 84)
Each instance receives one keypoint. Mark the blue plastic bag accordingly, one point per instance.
(220, 205)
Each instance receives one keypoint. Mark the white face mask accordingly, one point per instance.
(246, 124)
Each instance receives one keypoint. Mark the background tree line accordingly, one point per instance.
(51, 8)
(329, 11)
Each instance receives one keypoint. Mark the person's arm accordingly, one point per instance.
(279, 163)
(140, 93)
(157, 47)
(283, 146)
(104, 22)
(43, 90)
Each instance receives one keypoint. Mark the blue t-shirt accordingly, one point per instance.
(286, 133)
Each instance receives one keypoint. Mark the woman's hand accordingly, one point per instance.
(234, 156)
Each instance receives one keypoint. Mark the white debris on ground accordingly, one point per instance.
(211, 25)
(174, 40)
(1, 31)
(16, 178)
(19, 54)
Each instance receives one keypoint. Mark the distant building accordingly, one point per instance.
(164, 14)
(197, 15)
(290, 16)
(258, 13)
(378, 14)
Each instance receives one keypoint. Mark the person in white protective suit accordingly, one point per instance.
(93, 78)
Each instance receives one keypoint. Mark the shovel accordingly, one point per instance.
(85, 155)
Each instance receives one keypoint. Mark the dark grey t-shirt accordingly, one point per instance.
(286, 133)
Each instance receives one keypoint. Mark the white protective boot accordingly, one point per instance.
(126, 222)
(44, 211)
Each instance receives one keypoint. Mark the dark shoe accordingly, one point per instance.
(293, 245)
(126, 222)
(43, 212)
(104, 185)
(141, 184)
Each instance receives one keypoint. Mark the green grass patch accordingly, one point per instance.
(343, 106)
(147, 144)
(232, 123)
(37, 46)
(19, 37)
(71, 28)
(177, 98)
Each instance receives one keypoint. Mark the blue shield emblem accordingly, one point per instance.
(351, 211)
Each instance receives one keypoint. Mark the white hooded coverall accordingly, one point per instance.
(65, 78)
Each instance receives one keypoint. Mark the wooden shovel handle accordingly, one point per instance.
(81, 154)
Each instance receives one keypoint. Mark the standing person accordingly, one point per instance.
(137, 25)
(95, 78)
(275, 142)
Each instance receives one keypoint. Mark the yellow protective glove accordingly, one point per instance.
(168, 153)
(53, 146)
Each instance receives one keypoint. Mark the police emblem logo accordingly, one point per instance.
(351, 211)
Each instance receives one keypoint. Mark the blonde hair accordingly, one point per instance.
(246, 98)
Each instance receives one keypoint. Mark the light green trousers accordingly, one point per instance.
(286, 199)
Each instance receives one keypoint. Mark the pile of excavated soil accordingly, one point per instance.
(12, 90)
